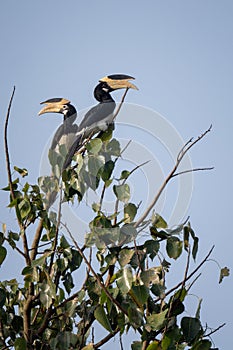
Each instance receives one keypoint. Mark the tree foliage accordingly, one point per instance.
(123, 274)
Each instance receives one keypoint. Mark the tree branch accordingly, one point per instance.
(106, 339)
(56, 233)
(8, 167)
(102, 286)
(189, 276)
(215, 330)
(187, 146)
(120, 104)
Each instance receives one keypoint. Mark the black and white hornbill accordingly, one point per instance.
(66, 132)
(101, 116)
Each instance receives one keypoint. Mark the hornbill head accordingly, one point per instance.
(118, 81)
(57, 105)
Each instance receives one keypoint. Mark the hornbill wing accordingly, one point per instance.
(65, 134)
(96, 119)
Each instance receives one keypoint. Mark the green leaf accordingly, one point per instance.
(2, 297)
(202, 345)
(156, 321)
(171, 339)
(158, 290)
(40, 261)
(135, 317)
(94, 146)
(130, 211)
(23, 172)
(191, 328)
(122, 192)
(139, 294)
(125, 279)
(107, 170)
(68, 282)
(3, 253)
(151, 276)
(20, 344)
(113, 148)
(155, 233)
(95, 163)
(136, 345)
(47, 293)
(127, 234)
(95, 207)
(124, 174)
(154, 346)
(186, 237)
(158, 221)
(152, 248)
(102, 318)
(195, 247)
(125, 256)
(14, 183)
(224, 272)
(174, 247)
(64, 243)
(17, 323)
(89, 347)
(31, 274)
(24, 208)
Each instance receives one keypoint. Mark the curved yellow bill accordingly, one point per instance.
(120, 83)
(53, 105)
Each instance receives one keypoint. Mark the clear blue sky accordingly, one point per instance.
(181, 54)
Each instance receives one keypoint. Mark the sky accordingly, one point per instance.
(181, 54)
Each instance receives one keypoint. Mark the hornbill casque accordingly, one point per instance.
(66, 133)
(101, 116)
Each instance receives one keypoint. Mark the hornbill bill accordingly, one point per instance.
(66, 132)
(101, 116)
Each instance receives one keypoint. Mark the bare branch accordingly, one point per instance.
(123, 182)
(187, 146)
(106, 339)
(215, 330)
(192, 171)
(6, 145)
(190, 275)
(121, 103)
(8, 167)
(56, 233)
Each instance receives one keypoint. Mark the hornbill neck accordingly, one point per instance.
(70, 115)
(101, 93)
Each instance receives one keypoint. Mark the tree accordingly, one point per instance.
(124, 282)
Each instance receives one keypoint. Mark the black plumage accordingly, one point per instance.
(98, 118)
(66, 132)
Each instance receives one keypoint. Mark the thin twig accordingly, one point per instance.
(8, 167)
(7, 148)
(102, 286)
(192, 171)
(106, 339)
(189, 276)
(215, 330)
(120, 104)
(191, 284)
(187, 146)
(123, 182)
(56, 233)
(186, 269)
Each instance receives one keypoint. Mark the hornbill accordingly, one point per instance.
(66, 132)
(101, 116)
